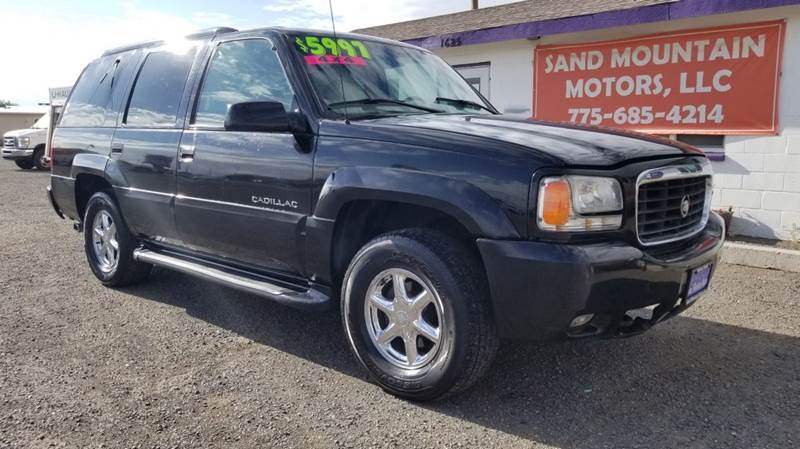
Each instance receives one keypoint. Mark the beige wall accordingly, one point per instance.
(12, 121)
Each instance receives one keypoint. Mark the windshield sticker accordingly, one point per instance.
(326, 46)
(329, 59)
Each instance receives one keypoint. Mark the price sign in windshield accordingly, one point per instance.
(328, 50)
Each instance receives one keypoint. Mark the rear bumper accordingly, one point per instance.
(53, 203)
(16, 153)
(538, 288)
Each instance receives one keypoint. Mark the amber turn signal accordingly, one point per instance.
(556, 202)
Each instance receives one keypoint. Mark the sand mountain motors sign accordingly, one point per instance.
(709, 81)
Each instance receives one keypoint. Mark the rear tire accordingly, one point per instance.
(109, 244)
(440, 338)
(25, 164)
(40, 159)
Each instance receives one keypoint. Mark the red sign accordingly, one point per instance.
(712, 81)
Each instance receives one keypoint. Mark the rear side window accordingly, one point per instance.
(91, 95)
(157, 93)
(241, 71)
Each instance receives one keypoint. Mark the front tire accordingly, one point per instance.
(25, 164)
(40, 159)
(109, 244)
(416, 313)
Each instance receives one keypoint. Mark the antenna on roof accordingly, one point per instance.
(341, 77)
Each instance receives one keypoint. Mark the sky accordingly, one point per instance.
(46, 43)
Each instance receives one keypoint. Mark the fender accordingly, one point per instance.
(63, 187)
(100, 165)
(469, 205)
(89, 164)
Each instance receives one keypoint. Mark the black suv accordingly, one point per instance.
(321, 171)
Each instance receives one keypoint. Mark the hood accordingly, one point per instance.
(572, 145)
(24, 132)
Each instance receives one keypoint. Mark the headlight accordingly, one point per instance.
(579, 203)
(23, 142)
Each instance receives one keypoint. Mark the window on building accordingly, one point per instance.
(241, 71)
(159, 86)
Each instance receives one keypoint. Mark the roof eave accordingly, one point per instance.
(609, 19)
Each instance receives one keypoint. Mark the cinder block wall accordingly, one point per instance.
(760, 180)
(760, 177)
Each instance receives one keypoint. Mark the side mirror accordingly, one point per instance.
(258, 116)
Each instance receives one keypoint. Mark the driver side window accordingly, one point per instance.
(241, 71)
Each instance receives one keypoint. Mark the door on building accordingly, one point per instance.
(477, 75)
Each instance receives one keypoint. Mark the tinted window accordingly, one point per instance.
(91, 94)
(158, 89)
(121, 78)
(247, 70)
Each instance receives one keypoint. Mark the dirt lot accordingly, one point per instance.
(178, 362)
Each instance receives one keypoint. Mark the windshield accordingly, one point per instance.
(43, 122)
(380, 79)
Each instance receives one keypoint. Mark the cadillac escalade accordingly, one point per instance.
(364, 175)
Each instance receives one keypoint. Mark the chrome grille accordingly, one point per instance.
(9, 142)
(672, 203)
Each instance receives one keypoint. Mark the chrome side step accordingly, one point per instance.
(308, 299)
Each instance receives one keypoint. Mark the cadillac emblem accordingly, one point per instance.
(685, 204)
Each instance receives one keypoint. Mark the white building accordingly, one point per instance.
(756, 141)
(19, 117)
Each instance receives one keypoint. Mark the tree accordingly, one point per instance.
(6, 103)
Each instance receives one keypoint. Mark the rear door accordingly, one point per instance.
(243, 195)
(89, 119)
(145, 146)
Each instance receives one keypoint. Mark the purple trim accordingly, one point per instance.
(716, 156)
(646, 14)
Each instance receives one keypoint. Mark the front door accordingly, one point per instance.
(243, 195)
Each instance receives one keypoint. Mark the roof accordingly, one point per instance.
(211, 33)
(24, 110)
(502, 15)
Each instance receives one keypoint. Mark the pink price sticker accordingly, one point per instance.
(330, 59)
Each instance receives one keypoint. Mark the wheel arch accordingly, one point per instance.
(91, 176)
(86, 185)
(470, 206)
(360, 204)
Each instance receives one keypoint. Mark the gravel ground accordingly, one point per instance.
(178, 362)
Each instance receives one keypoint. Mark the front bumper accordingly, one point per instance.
(16, 153)
(538, 288)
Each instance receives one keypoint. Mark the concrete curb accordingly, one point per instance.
(761, 256)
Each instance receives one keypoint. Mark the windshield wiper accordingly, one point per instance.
(382, 101)
(460, 102)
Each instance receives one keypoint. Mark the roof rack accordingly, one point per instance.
(125, 48)
(202, 34)
(210, 32)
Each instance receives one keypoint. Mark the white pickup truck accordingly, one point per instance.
(26, 147)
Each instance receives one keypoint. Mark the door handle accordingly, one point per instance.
(117, 147)
(186, 152)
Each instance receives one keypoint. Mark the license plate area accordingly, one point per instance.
(698, 282)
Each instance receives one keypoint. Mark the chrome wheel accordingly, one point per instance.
(105, 242)
(405, 318)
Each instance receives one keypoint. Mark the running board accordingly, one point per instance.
(309, 299)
